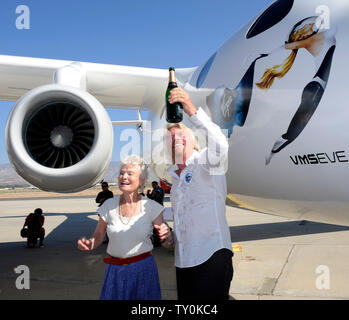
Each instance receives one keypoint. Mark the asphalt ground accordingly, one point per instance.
(275, 257)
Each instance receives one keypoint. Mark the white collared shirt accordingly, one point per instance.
(198, 200)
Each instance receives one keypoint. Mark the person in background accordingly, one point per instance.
(157, 195)
(35, 222)
(104, 194)
(101, 197)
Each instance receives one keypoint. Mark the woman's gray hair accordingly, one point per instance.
(137, 161)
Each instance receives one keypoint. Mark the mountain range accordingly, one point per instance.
(9, 177)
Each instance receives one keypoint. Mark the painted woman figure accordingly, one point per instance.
(321, 44)
(229, 106)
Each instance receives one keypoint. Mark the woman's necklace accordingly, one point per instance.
(126, 220)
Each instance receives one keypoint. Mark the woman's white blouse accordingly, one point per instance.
(129, 237)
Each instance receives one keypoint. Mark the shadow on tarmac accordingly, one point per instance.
(60, 271)
(281, 230)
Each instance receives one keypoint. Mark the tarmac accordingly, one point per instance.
(275, 258)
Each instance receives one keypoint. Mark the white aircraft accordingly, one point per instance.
(278, 86)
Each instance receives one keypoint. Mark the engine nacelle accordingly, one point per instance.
(59, 138)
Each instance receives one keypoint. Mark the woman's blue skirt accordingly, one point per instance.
(136, 281)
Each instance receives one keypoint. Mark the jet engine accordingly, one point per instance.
(59, 138)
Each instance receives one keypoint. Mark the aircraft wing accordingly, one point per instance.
(112, 85)
(59, 136)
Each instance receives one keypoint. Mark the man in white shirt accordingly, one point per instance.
(203, 255)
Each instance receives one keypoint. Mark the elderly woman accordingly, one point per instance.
(131, 272)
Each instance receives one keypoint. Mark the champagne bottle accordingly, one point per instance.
(174, 113)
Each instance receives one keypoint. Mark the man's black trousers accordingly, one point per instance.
(207, 281)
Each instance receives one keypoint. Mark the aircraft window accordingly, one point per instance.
(270, 17)
(203, 74)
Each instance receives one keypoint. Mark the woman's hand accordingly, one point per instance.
(96, 239)
(165, 235)
(179, 95)
(314, 40)
(292, 45)
(85, 244)
(163, 231)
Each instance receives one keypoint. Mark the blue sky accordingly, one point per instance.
(152, 33)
